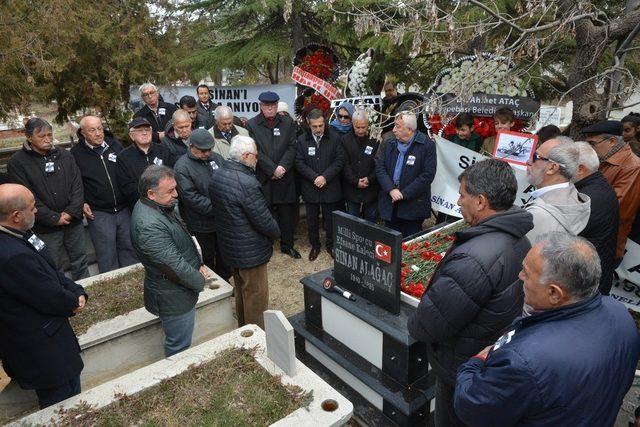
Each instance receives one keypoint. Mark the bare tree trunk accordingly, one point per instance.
(297, 35)
(591, 44)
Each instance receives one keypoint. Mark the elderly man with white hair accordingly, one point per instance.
(556, 205)
(602, 228)
(156, 112)
(224, 130)
(245, 228)
(405, 171)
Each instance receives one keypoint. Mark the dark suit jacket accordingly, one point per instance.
(276, 146)
(418, 171)
(326, 159)
(37, 345)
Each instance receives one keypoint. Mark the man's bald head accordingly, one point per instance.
(16, 199)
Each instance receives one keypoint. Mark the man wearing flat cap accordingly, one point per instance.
(134, 159)
(275, 137)
(621, 169)
(193, 175)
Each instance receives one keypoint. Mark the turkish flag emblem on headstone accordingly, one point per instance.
(383, 252)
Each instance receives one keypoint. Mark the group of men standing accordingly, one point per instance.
(551, 347)
(237, 191)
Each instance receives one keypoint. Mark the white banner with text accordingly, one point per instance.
(452, 160)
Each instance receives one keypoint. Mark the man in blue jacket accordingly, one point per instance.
(472, 296)
(569, 362)
(38, 348)
(405, 171)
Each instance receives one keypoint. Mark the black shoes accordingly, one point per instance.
(313, 255)
(292, 253)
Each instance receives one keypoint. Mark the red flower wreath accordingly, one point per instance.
(319, 63)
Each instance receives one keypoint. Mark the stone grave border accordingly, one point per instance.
(130, 341)
(328, 408)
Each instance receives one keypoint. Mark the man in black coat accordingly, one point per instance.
(53, 177)
(245, 228)
(105, 208)
(193, 175)
(602, 228)
(474, 292)
(360, 185)
(275, 136)
(134, 159)
(156, 112)
(319, 161)
(177, 133)
(405, 170)
(39, 349)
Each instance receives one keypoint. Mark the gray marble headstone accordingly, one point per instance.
(280, 341)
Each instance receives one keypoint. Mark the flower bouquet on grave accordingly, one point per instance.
(420, 258)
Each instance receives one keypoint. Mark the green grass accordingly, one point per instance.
(110, 298)
(230, 390)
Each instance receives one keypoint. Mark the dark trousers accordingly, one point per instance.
(211, 254)
(406, 226)
(367, 210)
(111, 239)
(445, 414)
(69, 239)
(313, 222)
(53, 395)
(284, 215)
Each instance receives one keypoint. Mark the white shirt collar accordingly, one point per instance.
(103, 145)
(540, 191)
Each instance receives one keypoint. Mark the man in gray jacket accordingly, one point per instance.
(223, 130)
(174, 273)
(556, 205)
(193, 174)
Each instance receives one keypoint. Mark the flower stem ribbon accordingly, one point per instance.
(321, 86)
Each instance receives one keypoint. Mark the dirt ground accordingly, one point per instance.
(285, 289)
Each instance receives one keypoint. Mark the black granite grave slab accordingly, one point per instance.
(367, 260)
(403, 405)
(404, 358)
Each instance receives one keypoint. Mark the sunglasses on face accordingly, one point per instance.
(344, 116)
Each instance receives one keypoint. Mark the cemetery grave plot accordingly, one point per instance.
(109, 298)
(232, 389)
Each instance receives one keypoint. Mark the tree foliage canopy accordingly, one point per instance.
(82, 54)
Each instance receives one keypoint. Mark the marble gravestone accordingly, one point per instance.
(280, 341)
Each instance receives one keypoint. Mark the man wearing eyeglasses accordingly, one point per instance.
(156, 112)
(193, 174)
(621, 169)
(105, 208)
(556, 205)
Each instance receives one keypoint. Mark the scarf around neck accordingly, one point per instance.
(402, 151)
